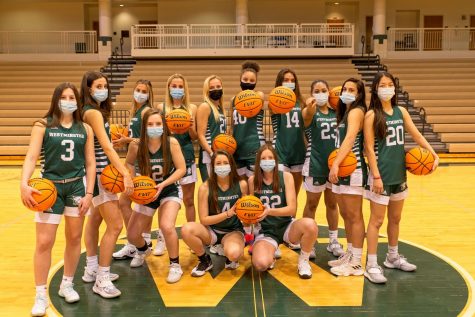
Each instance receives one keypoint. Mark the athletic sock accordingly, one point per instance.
(147, 237)
(304, 255)
(103, 270)
(333, 234)
(392, 252)
(143, 248)
(66, 279)
(356, 258)
(175, 260)
(349, 248)
(372, 260)
(92, 262)
(202, 258)
(41, 290)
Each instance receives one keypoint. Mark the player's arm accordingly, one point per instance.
(368, 130)
(178, 162)
(192, 129)
(417, 136)
(290, 197)
(202, 115)
(32, 155)
(132, 157)
(309, 111)
(203, 208)
(90, 160)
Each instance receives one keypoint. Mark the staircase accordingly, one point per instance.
(117, 70)
(367, 67)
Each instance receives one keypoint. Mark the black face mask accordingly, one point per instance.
(248, 86)
(215, 94)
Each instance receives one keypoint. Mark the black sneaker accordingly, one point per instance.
(202, 267)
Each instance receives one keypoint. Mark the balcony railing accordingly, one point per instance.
(48, 42)
(229, 39)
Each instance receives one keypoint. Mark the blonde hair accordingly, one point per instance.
(208, 100)
(168, 105)
(135, 107)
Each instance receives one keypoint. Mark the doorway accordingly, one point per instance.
(433, 38)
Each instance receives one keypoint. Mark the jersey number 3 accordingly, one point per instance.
(69, 156)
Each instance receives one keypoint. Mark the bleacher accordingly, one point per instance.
(25, 95)
(446, 91)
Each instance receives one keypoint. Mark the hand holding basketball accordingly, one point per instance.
(27, 196)
(264, 214)
(45, 195)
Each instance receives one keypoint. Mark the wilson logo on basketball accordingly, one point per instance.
(245, 94)
(249, 204)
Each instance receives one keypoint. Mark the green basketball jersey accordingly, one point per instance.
(289, 136)
(186, 143)
(157, 165)
(101, 158)
(63, 152)
(226, 199)
(214, 126)
(249, 135)
(357, 149)
(321, 136)
(273, 200)
(135, 124)
(390, 153)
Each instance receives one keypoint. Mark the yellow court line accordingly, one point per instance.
(262, 295)
(254, 290)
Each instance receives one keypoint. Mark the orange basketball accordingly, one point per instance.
(116, 130)
(249, 208)
(47, 197)
(419, 161)
(225, 142)
(112, 180)
(144, 190)
(178, 121)
(347, 166)
(282, 99)
(334, 97)
(248, 103)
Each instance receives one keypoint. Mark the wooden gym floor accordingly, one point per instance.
(436, 234)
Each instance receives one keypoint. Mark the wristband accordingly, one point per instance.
(90, 194)
(379, 177)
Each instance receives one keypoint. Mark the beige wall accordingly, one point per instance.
(196, 11)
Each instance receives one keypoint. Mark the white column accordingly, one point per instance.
(380, 38)
(242, 17)
(105, 29)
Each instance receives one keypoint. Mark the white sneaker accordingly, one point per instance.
(90, 275)
(335, 248)
(231, 265)
(304, 269)
(202, 267)
(217, 249)
(160, 247)
(375, 274)
(271, 267)
(40, 306)
(128, 251)
(313, 254)
(105, 288)
(139, 258)
(67, 291)
(400, 262)
(341, 260)
(175, 273)
(277, 253)
(347, 269)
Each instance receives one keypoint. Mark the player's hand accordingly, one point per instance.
(121, 141)
(311, 103)
(27, 196)
(333, 175)
(264, 214)
(128, 184)
(84, 205)
(378, 186)
(231, 212)
(436, 163)
(159, 188)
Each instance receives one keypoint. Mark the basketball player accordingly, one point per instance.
(277, 192)
(320, 124)
(217, 211)
(142, 101)
(349, 190)
(288, 130)
(384, 127)
(66, 147)
(160, 157)
(210, 121)
(248, 133)
(95, 95)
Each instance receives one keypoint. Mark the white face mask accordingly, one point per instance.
(140, 97)
(267, 165)
(385, 94)
(347, 98)
(222, 170)
(100, 95)
(289, 85)
(68, 107)
(321, 98)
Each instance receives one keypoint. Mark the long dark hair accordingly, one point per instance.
(360, 101)
(379, 124)
(55, 111)
(312, 86)
(259, 174)
(143, 153)
(104, 107)
(213, 178)
(280, 80)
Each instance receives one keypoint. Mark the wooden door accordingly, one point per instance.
(433, 38)
(472, 32)
(369, 34)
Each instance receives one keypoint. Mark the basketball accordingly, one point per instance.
(282, 100)
(47, 197)
(112, 180)
(419, 161)
(178, 121)
(144, 190)
(248, 103)
(225, 142)
(334, 97)
(249, 208)
(116, 130)
(347, 166)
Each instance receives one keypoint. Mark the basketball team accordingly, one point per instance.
(74, 145)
